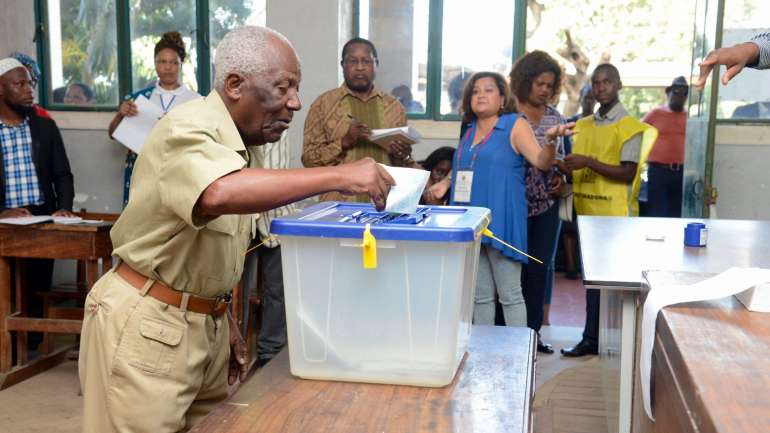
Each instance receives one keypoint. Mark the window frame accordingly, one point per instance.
(125, 74)
(435, 47)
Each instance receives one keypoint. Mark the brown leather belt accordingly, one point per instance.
(167, 295)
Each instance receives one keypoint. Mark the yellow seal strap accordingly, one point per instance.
(488, 233)
(269, 238)
(369, 249)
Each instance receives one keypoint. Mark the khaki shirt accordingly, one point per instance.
(160, 233)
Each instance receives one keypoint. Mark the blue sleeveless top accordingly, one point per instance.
(498, 184)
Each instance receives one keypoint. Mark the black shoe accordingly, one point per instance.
(544, 347)
(581, 349)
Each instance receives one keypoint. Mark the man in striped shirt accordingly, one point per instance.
(272, 332)
(754, 54)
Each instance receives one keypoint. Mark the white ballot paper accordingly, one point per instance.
(730, 282)
(405, 195)
(26, 220)
(133, 131)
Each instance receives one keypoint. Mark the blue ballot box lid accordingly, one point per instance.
(348, 220)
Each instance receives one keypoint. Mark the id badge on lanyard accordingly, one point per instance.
(464, 181)
(463, 185)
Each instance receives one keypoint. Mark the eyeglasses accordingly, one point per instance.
(357, 62)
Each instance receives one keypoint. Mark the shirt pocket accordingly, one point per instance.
(219, 239)
(155, 346)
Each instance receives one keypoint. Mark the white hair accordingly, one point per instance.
(245, 51)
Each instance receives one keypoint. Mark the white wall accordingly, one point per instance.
(325, 26)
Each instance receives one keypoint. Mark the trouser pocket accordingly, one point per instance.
(153, 345)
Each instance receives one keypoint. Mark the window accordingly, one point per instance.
(650, 49)
(82, 40)
(426, 67)
(225, 15)
(92, 53)
(747, 97)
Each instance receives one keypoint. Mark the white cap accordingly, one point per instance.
(9, 63)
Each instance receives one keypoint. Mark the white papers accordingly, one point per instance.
(407, 134)
(731, 282)
(73, 220)
(27, 220)
(133, 131)
(405, 195)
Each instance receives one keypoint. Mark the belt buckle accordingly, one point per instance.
(227, 298)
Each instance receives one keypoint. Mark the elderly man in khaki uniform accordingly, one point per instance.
(154, 349)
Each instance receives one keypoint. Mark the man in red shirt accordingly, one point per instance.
(665, 163)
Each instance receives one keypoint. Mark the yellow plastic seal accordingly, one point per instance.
(488, 233)
(369, 249)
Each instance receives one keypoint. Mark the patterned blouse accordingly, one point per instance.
(539, 182)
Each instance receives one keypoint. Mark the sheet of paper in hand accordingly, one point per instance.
(133, 131)
(407, 134)
(405, 195)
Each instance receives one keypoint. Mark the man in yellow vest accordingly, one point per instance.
(605, 164)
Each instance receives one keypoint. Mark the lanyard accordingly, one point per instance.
(164, 107)
(469, 139)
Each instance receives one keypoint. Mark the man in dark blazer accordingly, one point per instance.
(35, 176)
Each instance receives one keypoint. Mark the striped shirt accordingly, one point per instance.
(21, 184)
(763, 42)
(273, 156)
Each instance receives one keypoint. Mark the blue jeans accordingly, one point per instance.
(498, 273)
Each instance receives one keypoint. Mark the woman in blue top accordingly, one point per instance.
(167, 92)
(489, 172)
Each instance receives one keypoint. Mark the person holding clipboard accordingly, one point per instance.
(166, 92)
(489, 171)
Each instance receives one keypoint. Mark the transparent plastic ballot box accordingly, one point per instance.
(400, 317)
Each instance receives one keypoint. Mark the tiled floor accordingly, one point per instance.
(49, 402)
(568, 302)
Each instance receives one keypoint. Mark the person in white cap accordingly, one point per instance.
(35, 176)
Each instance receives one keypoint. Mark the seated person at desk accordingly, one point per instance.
(36, 177)
(604, 164)
(340, 121)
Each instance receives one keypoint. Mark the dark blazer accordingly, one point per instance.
(51, 165)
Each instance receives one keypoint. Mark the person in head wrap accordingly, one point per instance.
(34, 73)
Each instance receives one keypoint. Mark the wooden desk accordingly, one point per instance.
(710, 366)
(614, 253)
(48, 241)
(491, 392)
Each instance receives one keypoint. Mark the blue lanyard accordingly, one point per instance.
(469, 140)
(164, 107)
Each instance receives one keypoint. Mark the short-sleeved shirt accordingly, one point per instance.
(632, 148)
(762, 40)
(671, 126)
(161, 234)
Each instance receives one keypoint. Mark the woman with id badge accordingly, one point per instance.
(167, 92)
(489, 171)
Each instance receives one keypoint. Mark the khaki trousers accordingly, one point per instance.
(146, 366)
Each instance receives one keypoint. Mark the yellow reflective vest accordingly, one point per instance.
(595, 194)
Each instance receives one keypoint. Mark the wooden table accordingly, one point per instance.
(491, 392)
(710, 365)
(87, 243)
(615, 251)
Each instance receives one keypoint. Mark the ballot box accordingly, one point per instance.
(378, 297)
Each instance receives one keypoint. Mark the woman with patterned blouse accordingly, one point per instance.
(535, 80)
